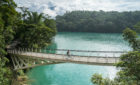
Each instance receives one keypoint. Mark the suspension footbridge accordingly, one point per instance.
(28, 58)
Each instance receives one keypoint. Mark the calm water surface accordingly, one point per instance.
(78, 74)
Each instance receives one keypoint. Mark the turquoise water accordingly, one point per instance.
(78, 74)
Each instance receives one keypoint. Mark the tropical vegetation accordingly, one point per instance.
(129, 64)
(21, 29)
(33, 30)
(97, 21)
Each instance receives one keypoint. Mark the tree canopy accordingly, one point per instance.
(29, 29)
(137, 27)
(96, 21)
(35, 31)
(8, 15)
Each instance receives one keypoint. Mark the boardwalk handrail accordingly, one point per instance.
(81, 53)
(89, 51)
(33, 49)
(98, 60)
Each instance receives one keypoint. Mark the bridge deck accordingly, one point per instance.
(94, 60)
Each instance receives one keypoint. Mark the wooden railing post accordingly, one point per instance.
(14, 51)
(97, 59)
(115, 58)
(18, 51)
(106, 59)
(26, 51)
(39, 50)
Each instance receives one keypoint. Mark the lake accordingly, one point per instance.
(78, 74)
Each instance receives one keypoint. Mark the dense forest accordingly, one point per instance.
(96, 21)
(25, 29)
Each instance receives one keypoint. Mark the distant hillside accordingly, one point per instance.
(96, 21)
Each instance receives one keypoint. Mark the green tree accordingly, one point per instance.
(97, 79)
(34, 18)
(17, 27)
(132, 37)
(7, 17)
(129, 64)
(34, 36)
(35, 31)
(137, 27)
(50, 23)
(5, 72)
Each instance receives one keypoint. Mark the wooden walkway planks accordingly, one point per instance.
(93, 60)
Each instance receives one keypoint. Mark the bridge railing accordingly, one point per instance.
(71, 52)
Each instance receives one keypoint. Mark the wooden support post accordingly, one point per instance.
(13, 62)
(17, 62)
(114, 58)
(22, 61)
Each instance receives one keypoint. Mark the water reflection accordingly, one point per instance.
(69, 74)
